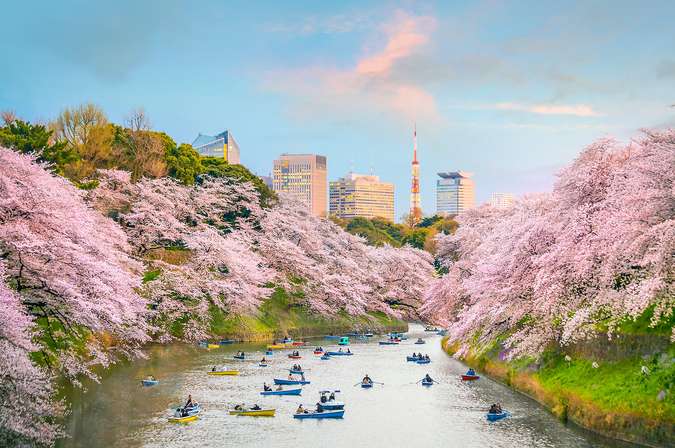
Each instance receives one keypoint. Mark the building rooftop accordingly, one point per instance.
(455, 175)
(203, 139)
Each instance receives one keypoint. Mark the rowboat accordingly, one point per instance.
(254, 413)
(223, 372)
(388, 343)
(298, 343)
(411, 358)
(148, 383)
(318, 352)
(419, 342)
(276, 346)
(369, 335)
(344, 340)
(296, 372)
(269, 353)
(366, 385)
(470, 377)
(227, 341)
(262, 364)
(213, 346)
(427, 383)
(498, 416)
(423, 361)
(295, 356)
(339, 353)
(239, 356)
(330, 336)
(331, 414)
(282, 392)
(324, 357)
(289, 382)
(189, 418)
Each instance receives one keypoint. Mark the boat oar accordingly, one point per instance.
(377, 382)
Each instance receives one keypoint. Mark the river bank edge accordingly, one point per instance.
(567, 405)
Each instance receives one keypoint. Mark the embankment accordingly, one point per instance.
(281, 316)
(599, 385)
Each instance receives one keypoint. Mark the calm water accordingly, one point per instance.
(120, 413)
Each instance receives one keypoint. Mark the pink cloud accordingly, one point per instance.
(369, 85)
(579, 110)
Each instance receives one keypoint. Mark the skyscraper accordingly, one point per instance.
(362, 195)
(415, 207)
(222, 145)
(304, 177)
(454, 193)
(501, 200)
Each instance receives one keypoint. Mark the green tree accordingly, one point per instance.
(27, 138)
(217, 167)
(183, 163)
(416, 237)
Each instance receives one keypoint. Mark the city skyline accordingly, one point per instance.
(511, 100)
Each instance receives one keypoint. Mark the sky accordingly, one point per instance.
(510, 91)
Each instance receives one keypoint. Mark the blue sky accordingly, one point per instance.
(511, 91)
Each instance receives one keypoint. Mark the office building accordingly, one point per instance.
(454, 193)
(222, 145)
(304, 177)
(362, 195)
(501, 200)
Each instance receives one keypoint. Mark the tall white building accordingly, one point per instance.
(303, 176)
(362, 195)
(454, 193)
(501, 200)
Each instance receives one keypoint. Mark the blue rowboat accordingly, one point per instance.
(411, 358)
(339, 353)
(332, 406)
(239, 357)
(289, 382)
(331, 414)
(297, 372)
(369, 335)
(427, 383)
(497, 416)
(269, 353)
(227, 341)
(262, 364)
(423, 361)
(325, 357)
(282, 392)
(149, 383)
(332, 337)
(420, 342)
(388, 343)
(366, 385)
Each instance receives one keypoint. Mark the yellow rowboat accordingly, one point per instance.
(213, 346)
(223, 372)
(251, 413)
(189, 418)
(276, 346)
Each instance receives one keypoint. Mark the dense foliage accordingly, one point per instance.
(559, 267)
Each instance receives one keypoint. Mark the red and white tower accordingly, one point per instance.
(415, 207)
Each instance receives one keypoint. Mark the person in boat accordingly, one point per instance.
(256, 407)
(188, 403)
(319, 408)
(332, 396)
(349, 351)
(300, 410)
(471, 372)
(499, 408)
(493, 409)
(366, 380)
(302, 377)
(239, 407)
(428, 379)
(266, 388)
(213, 369)
(290, 377)
(263, 360)
(427, 357)
(280, 387)
(340, 350)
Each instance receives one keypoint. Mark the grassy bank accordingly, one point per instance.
(282, 315)
(612, 397)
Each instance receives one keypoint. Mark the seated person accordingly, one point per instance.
(280, 387)
(428, 379)
(300, 410)
(239, 407)
(493, 409)
(471, 372)
(266, 388)
(256, 407)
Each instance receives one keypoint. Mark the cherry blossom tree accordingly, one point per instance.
(27, 413)
(69, 265)
(553, 268)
